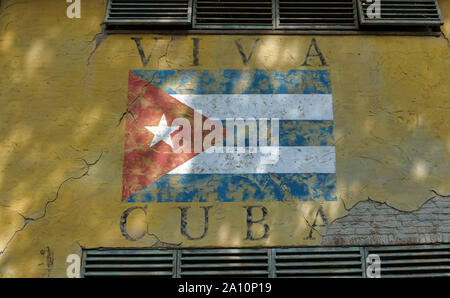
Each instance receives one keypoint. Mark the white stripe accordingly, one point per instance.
(307, 159)
(281, 106)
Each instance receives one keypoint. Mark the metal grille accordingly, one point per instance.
(402, 12)
(224, 262)
(396, 261)
(128, 262)
(413, 261)
(270, 14)
(151, 12)
(261, 262)
(233, 14)
(319, 262)
(318, 14)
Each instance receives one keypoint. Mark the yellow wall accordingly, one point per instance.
(63, 89)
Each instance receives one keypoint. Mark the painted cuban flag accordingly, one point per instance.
(287, 152)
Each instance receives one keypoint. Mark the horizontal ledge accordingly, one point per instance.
(271, 32)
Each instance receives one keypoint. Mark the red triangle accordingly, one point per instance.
(143, 165)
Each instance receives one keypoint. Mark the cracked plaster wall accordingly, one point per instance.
(63, 88)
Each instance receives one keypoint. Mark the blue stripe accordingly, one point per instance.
(232, 81)
(239, 188)
(306, 133)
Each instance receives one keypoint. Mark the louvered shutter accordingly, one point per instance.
(396, 261)
(224, 262)
(129, 263)
(402, 12)
(413, 261)
(319, 262)
(149, 12)
(233, 14)
(233, 262)
(316, 14)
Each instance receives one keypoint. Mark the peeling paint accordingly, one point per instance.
(373, 223)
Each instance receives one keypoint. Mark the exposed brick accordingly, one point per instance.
(405, 216)
(388, 224)
(444, 229)
(409, 230)
(426, 217)
(374, 223)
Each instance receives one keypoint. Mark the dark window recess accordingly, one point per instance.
(149, 12)
(402, 12)
(318, 14)
(233, 14)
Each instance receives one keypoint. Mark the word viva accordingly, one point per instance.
(313, 51)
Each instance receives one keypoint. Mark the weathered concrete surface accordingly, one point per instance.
(63, 88)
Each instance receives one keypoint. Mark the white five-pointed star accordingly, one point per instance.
(162, 132)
